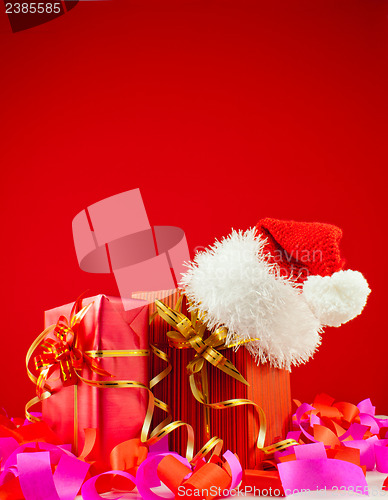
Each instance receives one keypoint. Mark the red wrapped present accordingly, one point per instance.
(238, 426)
(115, 339)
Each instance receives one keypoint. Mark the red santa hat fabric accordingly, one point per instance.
(301, 249)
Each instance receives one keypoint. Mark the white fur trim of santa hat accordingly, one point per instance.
(338, 298)
(235, 286)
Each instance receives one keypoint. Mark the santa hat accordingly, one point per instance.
(261, 289)
(308, 253)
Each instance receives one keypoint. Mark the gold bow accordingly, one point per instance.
(191, 334)
(63, 352)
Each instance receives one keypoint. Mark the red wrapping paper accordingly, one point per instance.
(116, 413)
(238, 427)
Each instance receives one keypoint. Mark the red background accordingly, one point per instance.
(222, 112)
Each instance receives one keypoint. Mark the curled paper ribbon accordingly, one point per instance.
(343, 424)
(115, 236)
(341, 450)
(28, 470)
(178, 475)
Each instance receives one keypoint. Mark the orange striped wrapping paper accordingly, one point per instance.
(268, 387)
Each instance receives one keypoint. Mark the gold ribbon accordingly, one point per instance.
(189, 333)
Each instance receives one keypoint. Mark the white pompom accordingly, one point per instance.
(338, 298)
(235, 286)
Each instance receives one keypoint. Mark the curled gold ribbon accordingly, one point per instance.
(189, 333)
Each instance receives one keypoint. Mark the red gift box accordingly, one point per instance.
(117, 413)
(239, 427)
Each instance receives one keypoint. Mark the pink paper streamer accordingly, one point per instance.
(321, 474)
(366, 406)
(303, 408)
(313, 451)
(381, 453)
(235, 468)
(69, 476)
(294, 435)
(356, 431)
(370, 421)
(367, 450)
(313, 471)
(315, 420)
(35, 474)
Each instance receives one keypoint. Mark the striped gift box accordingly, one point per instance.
(268, 387)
